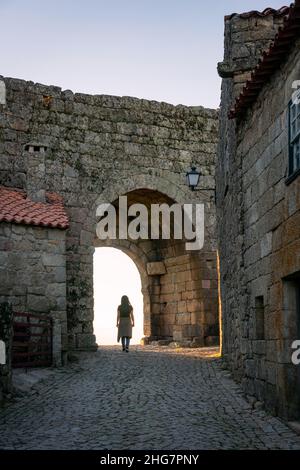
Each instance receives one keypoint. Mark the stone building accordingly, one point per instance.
(91, 150)
(33, 261)
(258, 204)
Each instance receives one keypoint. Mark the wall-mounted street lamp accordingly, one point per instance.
(192, 178)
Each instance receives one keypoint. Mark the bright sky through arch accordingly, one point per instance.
(115, 274)
(166, 50)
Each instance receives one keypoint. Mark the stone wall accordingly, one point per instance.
(33, 272)
(6, 346)
(244, 41)
(259, 237)
(188, 299)
(97, 148)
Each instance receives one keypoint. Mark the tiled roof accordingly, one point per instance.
(268, 11)
(15, 207)
(270, 61)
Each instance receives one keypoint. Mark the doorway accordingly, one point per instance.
(291, 332)
(115, 274)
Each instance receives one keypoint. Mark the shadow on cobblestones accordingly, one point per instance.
(152, 398)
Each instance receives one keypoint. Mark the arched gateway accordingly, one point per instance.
(179, 287)
(93, 149)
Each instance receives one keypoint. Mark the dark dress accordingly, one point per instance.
(125, 325)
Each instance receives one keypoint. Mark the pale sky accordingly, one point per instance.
(115, 274)
(166, 50)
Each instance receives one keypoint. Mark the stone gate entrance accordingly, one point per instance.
(178, 286)
(93, 149)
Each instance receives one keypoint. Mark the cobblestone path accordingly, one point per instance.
(151, 398)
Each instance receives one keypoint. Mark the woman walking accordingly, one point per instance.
(125, 322)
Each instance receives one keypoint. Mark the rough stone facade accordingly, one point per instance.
(96, 148)
(6, 315)
(259, 223)
(33, 271)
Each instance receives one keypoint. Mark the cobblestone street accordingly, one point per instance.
(152, 398)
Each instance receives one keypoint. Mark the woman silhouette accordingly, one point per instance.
(125, 322)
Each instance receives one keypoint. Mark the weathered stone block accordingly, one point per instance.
(212, 340)
(183, 318)
(206, 284)
(56, 290)
(39, 303)
(266, 245)
(53, 260)
(86, 341)
(2, 93)
(259, 347)
(59, 274)
(156, 268)
(177, 333)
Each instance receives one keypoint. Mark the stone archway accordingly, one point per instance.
(180, 288)
(127, 184)
(145, 253)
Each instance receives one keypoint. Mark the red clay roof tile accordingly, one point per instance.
(268, 11)
(17, 208)
(270, 61)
